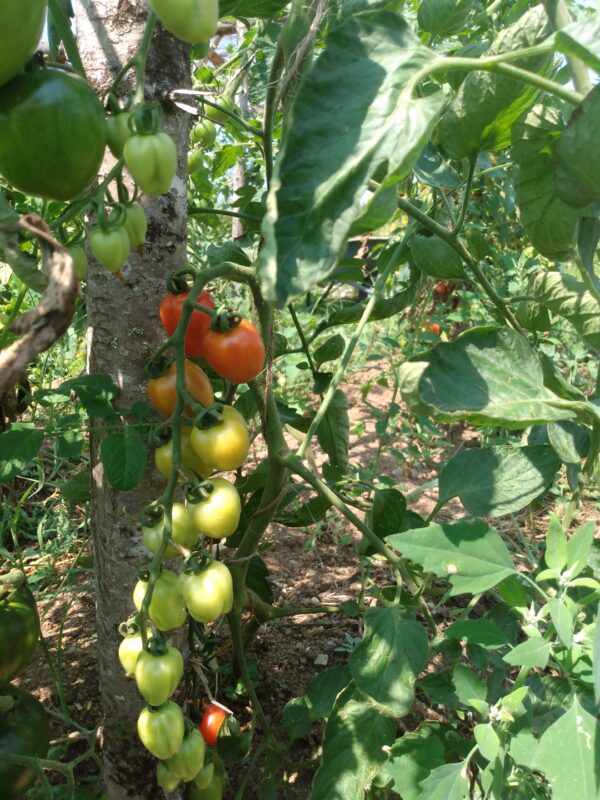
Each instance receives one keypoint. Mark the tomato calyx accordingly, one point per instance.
(160, 435)
(146, 118)
(177, 282)
(225, 320)
(152, 515)
(156, 366)
(197, 493)
(130, 628)
(157, 645)
(210, 417)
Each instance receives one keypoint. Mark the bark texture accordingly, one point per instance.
(124, 328)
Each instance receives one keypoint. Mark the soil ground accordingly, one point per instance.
(306, 568)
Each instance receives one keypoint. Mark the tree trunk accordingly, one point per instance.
(124, 328)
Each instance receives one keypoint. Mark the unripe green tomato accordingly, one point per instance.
(165, 779)
(118, 132)
(189, 760)
(129, 651)
(214, 790)
(217, 516)
(79, 257)
(167, 609)
(109, 247)
(163, 458)
(20, 32)
(161, 729)
(192, 21)
(209, 593)
(204, 133)
(157, 675)
(152, 161)
(205, 776)
(183, 532)
(215, 114)
(135, 224)
(195, 161)
(224, 446)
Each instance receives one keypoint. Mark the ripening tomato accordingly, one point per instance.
(225, 445)
(237, 355)
(435, 328)
(218, 514)
(162, 392)
(183, 532)
(213, 718)
(170, 313)
(163, 458)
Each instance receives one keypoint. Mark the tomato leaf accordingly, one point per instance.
(18, 448)
(581, 40)
(448, 782)
(123, 457)
(576, 162)
(338, 136)
(334, 430)
(411, 759)
(566, 296)
(444, 17)
(494, 481)
(533, 653)
(434, 257)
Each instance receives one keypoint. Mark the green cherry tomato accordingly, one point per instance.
(188, 762)
(135, 224)
(161, 729)
(19, 629)
(152, 161)
(167, 609)
(130, 649)
(192, 21)
(214, 790)
(208, 593)
(20, 33)
(165, 778)
(224, 446)
(204, 133)
(219, 514)
(195, 161)
(118, 132)
(215, 114)
(205, 776)
(110, 247)
(157, 675)
(52, 133)
(163, 458)
(183, 532)
(79, 257)
(24, 731)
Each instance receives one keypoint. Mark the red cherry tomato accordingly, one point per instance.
(237, 355)
(435, 328)
(162, 391)
(211, 722)
(170, 312)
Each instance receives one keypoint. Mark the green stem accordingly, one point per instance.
(559, 16)
(224, 212)
(236, 635)
(463, 211)
(271, 110)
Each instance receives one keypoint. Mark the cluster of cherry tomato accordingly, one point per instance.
(211, 508)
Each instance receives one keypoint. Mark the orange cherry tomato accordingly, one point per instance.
(162, 392)
(435, 328)
(211, 722)
(237, 355)
(170, 312)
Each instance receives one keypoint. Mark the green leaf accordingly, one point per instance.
(469, 689)
(18, 448)
(470, 554)
(322, 691)
(434, 257)
(387, 662)
(77, 489)
(443, 17)
(123, 457)
(581, 40)
(487, 104)
(486, 376)
(576, 156)
(26, 268)
(60, 20)
(432, 170)
(244, 9)
(562, 620)
(353, 743)
(588, 237)
(579, 547)
(487, 740)
(550, 224)
(556, 545)
(330, 350)
(448, 782)
(483, 632)
(596, 658)
(532, 653)
(379, 210)
(564, 295)
(570, 441)
(69, 444)
(257, 579)
(295, 717)
(411, 759)
(350, 116)
(494, 481)
(306, 514)
(334, 429)
(567, 754)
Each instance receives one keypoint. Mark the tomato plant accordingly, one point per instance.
(193, 21)
(19, 629)
(214, 508)
(52, 133)
(162, 391)
(237, 354)
(212, 720)
(24, 731)
(161, 729)
(19, 36)
(225, 444)
(170, 312)
(207, 592)
(151, 159)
